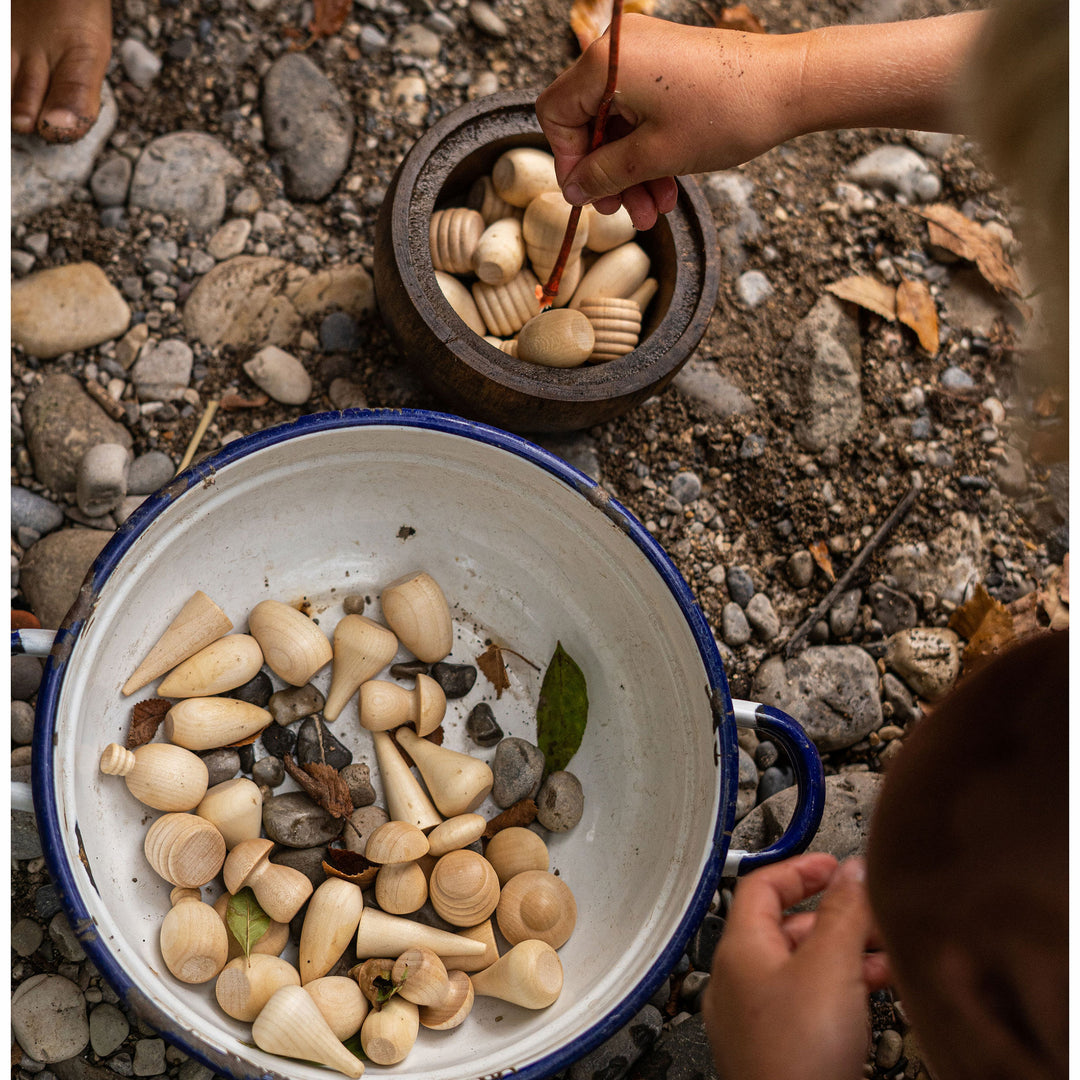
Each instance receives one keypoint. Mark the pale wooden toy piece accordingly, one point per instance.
(536, 904)
(222, 665)
(499, 254)
(199, 622)
(291, 1024)
(572, 273)
(464, 889)
(380, 934)
(506, 345)
(530, 975)
(643, 294)
(246, 984)
(389, 1033)
(505, 309)
(456, 832)
(416, 610)
(406, 800)
(340, 1001)
(401, 888)
(385, 705)
(561, 338)
(485, 933)
(362, 648)
(618, 272)
(544, 227)
(273, 940)
(607, 231)
(519, 175)
(455, 1007)
(457, 783)
(422, 976)
(192, 939)
(331, 919)
(492, 207)
(452, 236)
(396, 842)
(159, 775)
(293, 646)
(235, 807)
(462, 301)
(515, 849)
(207, 723)
(184, 849)
(280, 890)
(616, 322)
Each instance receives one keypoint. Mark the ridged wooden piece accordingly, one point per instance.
(362, 648)
(281, 890)
(455, 1006)
(616, 323)
(246, 984)
(618, 272)
(557, 338)
(453, 236)
(415, 608)
(514, 850)
(293, 646)
(340, 1001)
(464, 889)
(500, 252)
(184, 849)
(483, 198)
(462, 301)
(192, 938)
(235, 807)
(544, 227)
(331, 919)
(536, 904)
(207, 723)
(505, 309)
(530, 975)
(519, 175)
(222, 665)
(290, 1024)
(159, 775)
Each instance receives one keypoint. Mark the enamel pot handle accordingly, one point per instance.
(809, 779)
(32, 642)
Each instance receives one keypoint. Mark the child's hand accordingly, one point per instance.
(787, 997)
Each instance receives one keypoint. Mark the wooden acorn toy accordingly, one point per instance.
(396, 842)
(616, 324)
(464, 889)
(184, 849)
(331, 919)
(280, 890)
(416, 610)
(290, 1024)
(405, 798)
(461, 300)
(421, 976)
(380, 934)
(455, 1006)
(222, 665)
(293, 646)
(458, 783)
(561, 338)
(457, 832)
(401, 888)
(159, 775)
(235, 807)
(607, 231)
(514, 850)
(273, 940)
(484, 933)
(505, 309)
(520, 174)
(247, 983)
(483, 198)
(544, 226)
(500, 252)
(389, 1033)
(530, 975)
(536, 904)
(385, 705)
(618, 272)
(199, 622)
(192, 939)
(362, 648)
(453, 236)
(205, 723)
(340, 1001)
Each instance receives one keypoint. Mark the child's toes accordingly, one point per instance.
(30, 81)
(74, 95)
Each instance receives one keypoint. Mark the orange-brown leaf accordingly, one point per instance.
(589, 18)
(350, 866)
(867, 292)
(233, 400)
(146, 717)
(490, 662)
(329, 17)
(522, 813)
(739, 17)
(323, 784)
(986, 623)
(966, 618)
(820, 551)
(24, 620)
(915, 308)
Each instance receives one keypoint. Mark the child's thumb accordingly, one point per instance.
(844, 917)
(609, 170)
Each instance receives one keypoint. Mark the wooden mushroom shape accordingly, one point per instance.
(159, 775)
(280, 890)
(380, 934)
(192, 939)
(389, 1033)
(405, 798)
(291, 1024)
(362, 648)
(293, 646)
(421, 976)
(453, 1009)
(520, 174)
(274, 938)
(385, 705)
(452, 236)
(562, 338)
(247, 983)
(396, 842)
(536, 904)
(456, 832)
(184, 849)
(199, 622)
(401, 888)
(205, 723)
(235, 807)
(222, 665)
(332, 916)
(458, 783)
(464, 888)
(416, 610)
(530, 975)
(515, 849)
(340, 1001)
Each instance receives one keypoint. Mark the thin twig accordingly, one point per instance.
(197, 437)
(842, 582)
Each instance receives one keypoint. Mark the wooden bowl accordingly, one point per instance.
(472, 377)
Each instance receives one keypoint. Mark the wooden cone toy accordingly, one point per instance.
(332, 916)
(222, 665)
(380, 934)
(290, 1024)
(205, 723)
(417, 611)
(160, 775)
(485, 934)
(530, 975)
(362, 648)
(458, 783)
(405, 798)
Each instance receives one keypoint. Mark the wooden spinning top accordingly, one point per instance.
(291, 1024)
(362, 648)
(160, 775)
(530, 975)
(416, 610)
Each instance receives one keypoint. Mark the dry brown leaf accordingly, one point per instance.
(323, 783)
(589, 18)
(521, 813)
(966, 618)
(233, 400)
(986, 623)
(820, 551)
(329, 17)
(350, 865)
(868, 293)
(146, 717)
(490, 662)
(915, 308)
(739, 17)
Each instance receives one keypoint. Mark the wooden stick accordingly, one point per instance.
(842, 582)
(197, 436)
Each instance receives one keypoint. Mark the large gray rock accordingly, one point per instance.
(832, 690)
(48, 1018)
(927, 658)
(683, 1053)
(53, 571)
(699, 381)
(296, 821)
(946, 564)
(612, 1059)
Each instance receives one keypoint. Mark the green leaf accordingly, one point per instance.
(562, 711)
(352, 1044)
(246, 921)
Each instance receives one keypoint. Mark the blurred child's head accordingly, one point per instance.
(968, 870)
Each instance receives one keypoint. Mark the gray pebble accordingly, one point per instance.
(316, 744)
(22, 262)
(765, 754)
(440, 23)
(194, 1070)
(372, 40)
(482, 727)
(703, 944)
(22, 723)
(693, 986)
(256, 691)
(102, 478)
(309, 861)
(150, 471)
(26, 936)
(900, 698)
(26, 674)
(222, 764)
(108, 1029)
(560, 802)
(32, 511)
(109, 184)
(163, 364)
(25, 841)
(740, 585)
(753, 446)
(889, 1048)
(47, 901)
(294, 703)
(686, 487)
(418, 40)
(149, 1057)
(247, 201)
(957, 379)
(518, 769)
(362, 823)
(895, 610)
(63, 937)
(456, 680)
(122, 1065)
(141, 64)
(762, 618)
(339, 332)
(614, 1058)
(358, 776)
(354, 604)
(734, 627)
(279, 374)
(774, 779)
(296, 821)
(920, 428)
(844, 612)
(277, 740)
(748, 782)
(486, 21)
(753, 288)
(268, 770)
(48, 1018)
(896, 170)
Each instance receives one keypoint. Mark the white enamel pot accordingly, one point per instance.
(528, 551)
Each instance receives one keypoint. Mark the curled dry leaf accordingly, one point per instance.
(491, 663)
(349, 866)
(522, 813)
(146, 717)
(867, 292)
(329, 17)
(986, 623)
(915, 308)
(820, 552)
(233, 400)
(323, 784)
(589, 18)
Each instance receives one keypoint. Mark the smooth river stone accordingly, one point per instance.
(296, 821)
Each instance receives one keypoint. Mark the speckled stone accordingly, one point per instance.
(560, 802)
(518, 769)
(315, 743)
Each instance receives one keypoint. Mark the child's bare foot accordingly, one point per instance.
(59, 53)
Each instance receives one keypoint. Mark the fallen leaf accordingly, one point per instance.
(739, 17)
(329, 17)
(350, 866)
(867, 292)
(820, 551)
(323, 783)
(589, 18)
(562, 710)
(522, 813)
(232, 400)
(965, 620)
(491, 663)
(246, 920)
(915, 308)
(146, 717)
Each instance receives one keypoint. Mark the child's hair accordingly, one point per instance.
(968, 869)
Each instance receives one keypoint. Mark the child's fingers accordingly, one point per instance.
(844, 923)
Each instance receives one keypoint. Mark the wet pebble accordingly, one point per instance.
(296, 821)
(256, 691)
(482, 727)
(294, 703)
(222, 764)
(740, 585)
(762, 617)
(48, 1018)
(560, 801)
(268, 770)
(455, 679)
(518, 768)
(734, 627)
(315, 743)
(358, 776)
